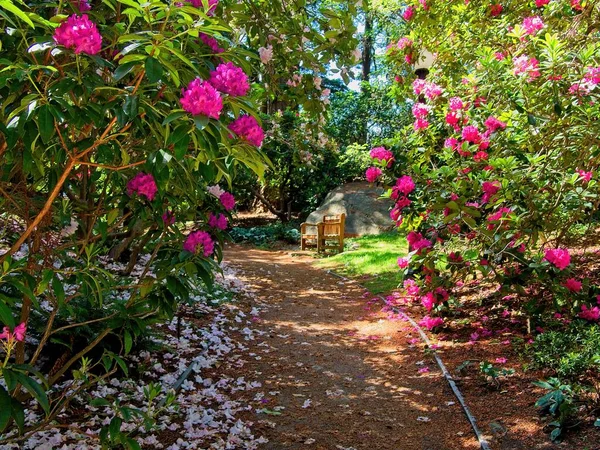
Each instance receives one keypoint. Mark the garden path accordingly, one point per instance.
(336, 373)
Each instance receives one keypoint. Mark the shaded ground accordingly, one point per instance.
(336, 374)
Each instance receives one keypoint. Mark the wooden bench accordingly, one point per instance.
(325, 235)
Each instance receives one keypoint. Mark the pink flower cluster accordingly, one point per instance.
(427, 88)
(408, 13)
(404, 43)
(489, 190)
(247, 128)
(492, 124)
(498, 216)
(227, 200)
(585, 176)
(456, 104)
(82, 5)
(199, 241)
(219, 222)
(495, 9)
(79, 34)
(201, 98)
(416, 241)
(230, 79)
(524, 65)
(372, 174)
(431, 322)
(142, 184)
(540, 3)
(572, 285)
(531, 25)
(591, 314)
(560, 257)
(403, 262)
(382, 154)
(404, 185)
(17, 334)
(471, 134)
(211, 43)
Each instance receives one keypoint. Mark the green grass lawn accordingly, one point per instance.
(371, 259)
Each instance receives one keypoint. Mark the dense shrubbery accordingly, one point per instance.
(266, 235)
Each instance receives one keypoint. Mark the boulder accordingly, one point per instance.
(366, 212)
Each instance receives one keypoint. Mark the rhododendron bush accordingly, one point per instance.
(122, 126)
(501, 159)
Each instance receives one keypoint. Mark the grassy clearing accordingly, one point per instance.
(372, 259)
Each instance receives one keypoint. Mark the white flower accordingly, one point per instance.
(266, 54)
(215, 190)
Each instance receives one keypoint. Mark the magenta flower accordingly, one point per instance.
(451, 143)
(493, 124)
(220, 222)
(489, 189)
(524, 65)
(79, 34)
(592, 75)
(82, 5)
(199, 242)
(230, 79)
(572, 285)
(431, 322)
(495, 10)
(227, 200)
(420, 124)
(471, 134)
(403, 262)
(382, 154)
(17, 334)
(408, 13)
(142, 184)
(420, 110)
(404, 185)
(501, 360)
(372, 174)
(456, 104)
(558, 256)
(585, 176)
(540, 3)
(428, 301)
(247, 128)
(211, 43)
(201, 98)
(404, 43)
(591, 314)
(532, 25)
(411, 287)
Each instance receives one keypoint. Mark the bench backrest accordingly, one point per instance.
(334, 224)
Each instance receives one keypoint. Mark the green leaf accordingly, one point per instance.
(123, 70)
(115, 428)
(6, 315)
(173, 116)
(97, 402)
(131, 106)
(201, 122)
(128, 341)
(154, 70)
(8, 5)
(5, 409)
(18, 413)
(35, 389)
(45, 123)
(59, 290)
(597, 423)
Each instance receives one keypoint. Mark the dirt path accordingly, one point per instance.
(336, 373)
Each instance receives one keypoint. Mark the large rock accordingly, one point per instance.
(365, 212)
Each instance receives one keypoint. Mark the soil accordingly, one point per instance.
(337, 374)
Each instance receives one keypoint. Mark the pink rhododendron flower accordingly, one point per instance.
(572, 285)
(247, 128)
(452, 119)
(420, 124)
(266, 54)
(420, 110)
(372, 174)
(540, 3)
(382, 154)
(451, 143)
(404, 185)
(428, 301)
(404, 43)
(220, 222)
(201, 98)
(211, 43)
(532, 25)
(501, 360)
(499, 56)
(471, 134)
(79, 34)
(489, 189)
(591, 314)
(493, 124)
(431, 322)
(17, 334)
(576, 5)
(592, 75)
(403, 262)
(419, 86)
(585, 176)
(498, 216)
(199, 241)
(560, 257)
(432, 90)
(527, 66)
(456, 104)
(227, 200)
(230, 79)
(425, 369)
(480, 156)
(424, 4)
(142, 184)
(408, 13)
(168, 217)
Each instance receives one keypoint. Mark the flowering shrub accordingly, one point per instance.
(114, 134)
(502, 155)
